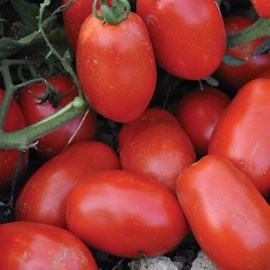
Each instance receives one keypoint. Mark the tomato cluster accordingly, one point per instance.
(200, 166)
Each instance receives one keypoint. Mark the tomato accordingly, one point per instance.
(160, 150)
(116, 67)
(149, 116)
(198, 113)
(74, 17)
(26, 245)
(262, 7)
(188, 36)
(231, 78)
(228, 216)
(125, 214)
(242, 134)
(265, 74)
(9, 158)
(43, 198)
(84, 127)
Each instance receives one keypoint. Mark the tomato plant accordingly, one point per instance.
(228, 216)
(81, 129)
(188, 36)
(125, 214)
(198, 112)
(233, 77)
(26, 245)
(9, 158)
(43, 198)
(116, 67)
(242, 134)
(262, 8)
(156, 147)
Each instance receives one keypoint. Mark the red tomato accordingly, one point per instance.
(242, 134)
(159, 150)
(188, 36)
(9, 158)
(43, 198)
(116, 67)
(150, 116)
(262, 8)
(26, 246)
(198, 113)
(227, 215)
(265, 74)
(74, 18)
(125, 214)
(84, 128)
(232, 78)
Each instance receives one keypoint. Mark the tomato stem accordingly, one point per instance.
(261, 28)
(116, 14)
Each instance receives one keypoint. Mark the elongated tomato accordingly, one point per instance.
(228, 216)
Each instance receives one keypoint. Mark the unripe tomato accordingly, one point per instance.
(125, 214)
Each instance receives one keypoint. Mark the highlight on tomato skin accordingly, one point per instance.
(125, 214)
(43, 198)
(228, 216)
(27, 245)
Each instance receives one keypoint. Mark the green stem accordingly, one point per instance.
(22, 139)
(261, 28)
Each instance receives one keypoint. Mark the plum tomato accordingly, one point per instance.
(229, 218)
(188, 37)
(233, 77)
(26, 245)
(242, 133)
(125, 214)
(82, 128)
(158, 149)
(43, 198)
(116, 67)
(198, 112)
(8, 158)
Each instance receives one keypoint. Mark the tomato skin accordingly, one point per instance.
(124, 213)
(198, 113)
(8, 158)
(228, 216)
(231, 78)
(43, 198)
(74, 18)
(242, 134)
(160, 150)
(188, 36)
(26, 245)
(116, 67)
(53, 143)
(262, 7)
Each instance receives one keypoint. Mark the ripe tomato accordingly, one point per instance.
(188, 36)
(53, 143)
(262, 8)
(228, 216)
(116, 67)
(74, 17)
(9, 158)
(125, 214)
(43, 198)
(231, 78)
(160, 150)
(26, 245)
(242, 134)
(198, 113)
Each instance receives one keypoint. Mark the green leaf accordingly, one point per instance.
(8, 47)
(263, 48)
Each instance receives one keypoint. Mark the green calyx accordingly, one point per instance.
(113, 15)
